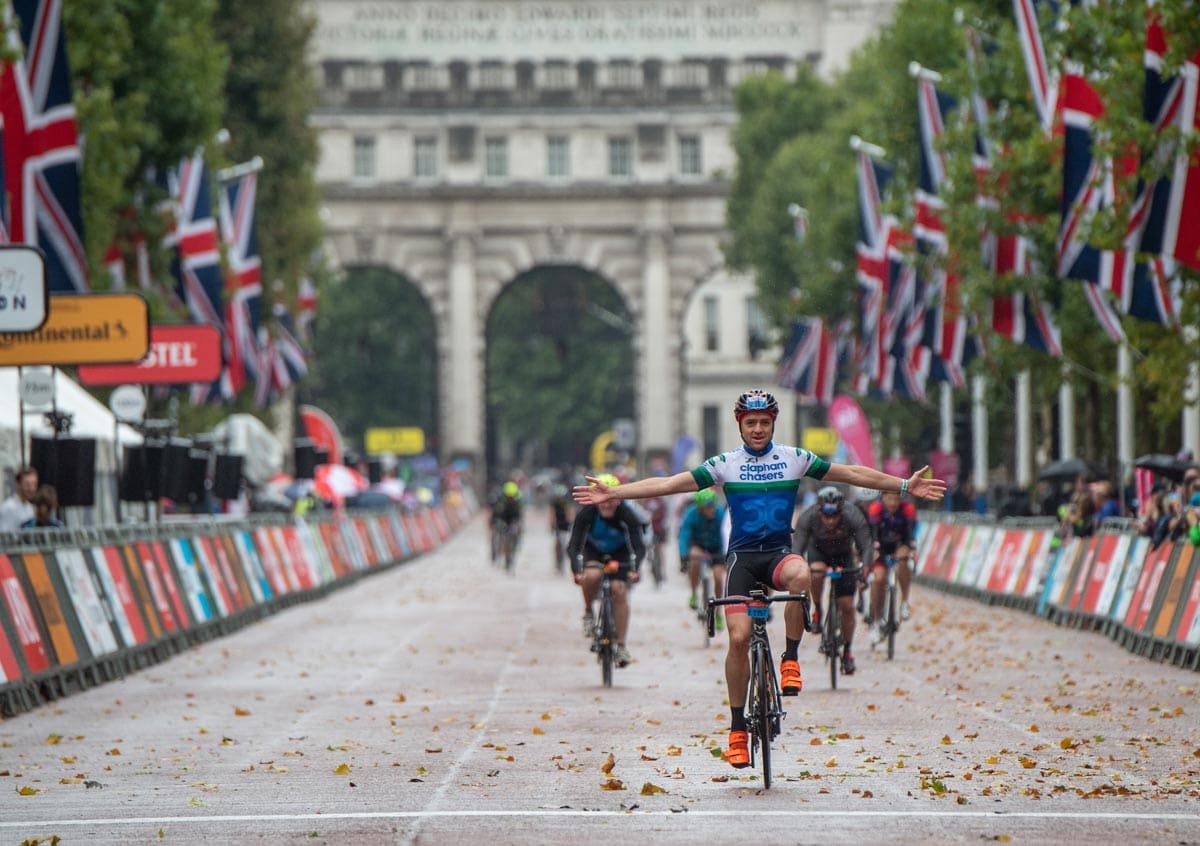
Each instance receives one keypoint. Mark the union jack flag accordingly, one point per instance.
(945, 323)
(809, 363)
(1020, 317)
(40, 143)
(290, 363)
(243, 284)
(874, 230)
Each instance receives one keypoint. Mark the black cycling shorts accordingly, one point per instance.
(845, 584)
(622, 575)
(747, 570)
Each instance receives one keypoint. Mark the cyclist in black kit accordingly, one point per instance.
(562, 511)
(601, 533)
(827, 534)
(506, 512)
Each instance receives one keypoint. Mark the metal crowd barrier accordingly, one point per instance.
(82, 606)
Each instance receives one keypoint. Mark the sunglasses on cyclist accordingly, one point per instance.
(829, 509)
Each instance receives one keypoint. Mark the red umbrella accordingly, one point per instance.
(337, 481)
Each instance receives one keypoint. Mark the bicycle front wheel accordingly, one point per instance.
(832, 638)
(608, 640)
(892, 621)
(705, 595)
(762, 711)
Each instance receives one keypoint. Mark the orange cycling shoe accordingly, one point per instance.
(790, 681)
(738, 753)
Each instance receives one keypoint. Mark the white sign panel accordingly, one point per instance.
(416, 30)
(36, 388)
(24, 291)
(128, 403)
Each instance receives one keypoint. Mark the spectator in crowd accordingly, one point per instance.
(18, 508)
(45, 504)
(1077, 514)
(1104, 499)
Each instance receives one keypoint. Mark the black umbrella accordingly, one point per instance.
(1071, 468)
(1165, 465)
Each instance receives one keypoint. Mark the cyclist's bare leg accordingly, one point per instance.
(718, 577)
(878, 583)
(792, 575)
(737, 659)
(903, 573)
(817, 577)
(590, 585)
(846, 606)
(695, 557)
(620, 595)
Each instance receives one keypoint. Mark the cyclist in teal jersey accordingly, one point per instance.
(760, 480)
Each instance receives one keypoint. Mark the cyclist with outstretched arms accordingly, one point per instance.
(760, 479)
(893, 523)
(829, 535)
(605, 531)
(700, 535)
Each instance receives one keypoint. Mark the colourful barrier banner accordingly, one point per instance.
(244, 545)
(1079, 574)
(37, 569)
(86, 602)
(190, 582)
(1138, 552)
(1107, 559)
(114, 581)
(1188, 630)
(971, 567)
(10, 667)
(1174, 587)
(1147, 588)
(1036, 569)
(222, 598)
(20, 612)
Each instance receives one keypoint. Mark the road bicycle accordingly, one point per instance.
(764, 701)
(654, 557)
(889, 617)
(832, 640)
(604, 637)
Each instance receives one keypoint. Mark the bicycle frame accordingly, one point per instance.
(889, 618)
(832, 639)
(764, 702)
(604, 642)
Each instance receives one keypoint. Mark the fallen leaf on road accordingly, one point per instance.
(649, 789)
(613, 784)
(609, 763)
(54, 739)
(28, 791)
(434, 750)
(342, 769)
(241, 712)
(537, 730)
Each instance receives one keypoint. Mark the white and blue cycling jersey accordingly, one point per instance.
(761, 491)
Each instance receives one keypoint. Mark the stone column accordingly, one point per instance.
(658, 372)
(462, 388)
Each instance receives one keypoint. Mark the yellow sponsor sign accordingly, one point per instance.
(83, 329)
(823, 442)
(399, 440)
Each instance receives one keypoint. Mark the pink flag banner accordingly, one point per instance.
(847, 417)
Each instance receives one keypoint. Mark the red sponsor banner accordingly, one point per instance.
(10, 669)
(212, 569)
(1008, 557)
(178, 354)
(323, 432)
(1174, 592)
(1190, 608)
(21, 614)
(110, 559)
(1106, 553)
(1079, 572)
(169, 581)
(1147, 587)
(305, 571)
(332, 541)
(274, 563)
(364, 537)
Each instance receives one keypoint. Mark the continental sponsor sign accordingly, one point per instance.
(399, 440)
(83, 329)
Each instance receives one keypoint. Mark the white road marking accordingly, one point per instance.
(570, 812)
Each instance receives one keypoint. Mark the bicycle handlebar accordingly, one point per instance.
(756, 597)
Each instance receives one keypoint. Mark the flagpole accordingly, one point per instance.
(1066, 417)
(860, 146)
(918, 71)
(236, 171)
(1124, 416)
(1024, 439)
(1191, 399)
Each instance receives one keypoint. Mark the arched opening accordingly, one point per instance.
(375, 362)
(560, 368)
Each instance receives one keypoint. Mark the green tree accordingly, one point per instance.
(375, 356)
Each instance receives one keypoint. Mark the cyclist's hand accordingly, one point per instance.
(578, 577)
(634, 577)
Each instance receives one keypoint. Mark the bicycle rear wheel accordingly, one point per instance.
(832, 638)
(608, 639)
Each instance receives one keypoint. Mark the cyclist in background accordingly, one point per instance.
(506, 512)
(760, 481)
(699, 535)
(893, 523)
(656, 508)
(828, 533)
(562, 512)
(603, 532)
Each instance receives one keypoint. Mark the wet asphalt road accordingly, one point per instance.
(445, 701)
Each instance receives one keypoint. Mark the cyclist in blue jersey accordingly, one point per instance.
(760, 479)
(700, 535)
(607, 531)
